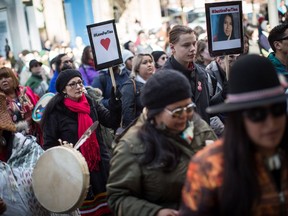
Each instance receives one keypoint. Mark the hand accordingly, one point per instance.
(168, 212)
(116, 94)
(2, 206)
(114, 101)
(43, 75)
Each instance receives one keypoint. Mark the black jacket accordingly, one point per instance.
(198, 81)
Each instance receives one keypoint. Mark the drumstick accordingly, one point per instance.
(86, 135)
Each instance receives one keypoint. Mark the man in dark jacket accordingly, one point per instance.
(182, 41)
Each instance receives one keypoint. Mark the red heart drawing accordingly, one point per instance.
(105, 43)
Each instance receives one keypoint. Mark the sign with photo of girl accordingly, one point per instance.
(224, 27)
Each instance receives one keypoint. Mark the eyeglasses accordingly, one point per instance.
(73, 85)
(176, 113)
(259, 114)
(284, 38)
(68, 61)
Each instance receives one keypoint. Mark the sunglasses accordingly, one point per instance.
(260, 114)
(178, 112)
(73, 85)
(284, 38)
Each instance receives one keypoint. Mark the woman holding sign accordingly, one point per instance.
(225, 28)
(67, 116)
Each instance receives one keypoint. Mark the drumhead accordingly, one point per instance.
(40, 106)
(60, 179)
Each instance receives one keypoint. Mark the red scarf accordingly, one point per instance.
(90, 149)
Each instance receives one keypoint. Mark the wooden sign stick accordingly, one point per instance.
(112, 78)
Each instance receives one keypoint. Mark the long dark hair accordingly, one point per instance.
(56, 100)
(240, 186)
(9, 137)
(221, 34)
(86, 55)
(160, 152)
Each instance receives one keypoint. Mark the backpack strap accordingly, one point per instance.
(135, 92)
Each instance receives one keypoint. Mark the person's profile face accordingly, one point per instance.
(228, 26)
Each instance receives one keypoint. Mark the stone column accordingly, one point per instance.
(55, 21)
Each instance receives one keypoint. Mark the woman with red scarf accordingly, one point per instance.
(67, 116)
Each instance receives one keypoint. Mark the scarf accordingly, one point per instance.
(90, 149)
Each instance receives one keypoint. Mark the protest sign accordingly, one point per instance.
(224, 27)
(105, 44)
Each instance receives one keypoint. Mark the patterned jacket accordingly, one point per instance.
(205, 177)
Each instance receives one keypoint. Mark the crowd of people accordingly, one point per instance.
(192, 134)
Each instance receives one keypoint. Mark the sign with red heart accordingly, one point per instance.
(105, 45)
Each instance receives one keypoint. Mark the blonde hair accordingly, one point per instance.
(136, 63)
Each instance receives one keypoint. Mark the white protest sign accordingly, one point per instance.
(105, 45)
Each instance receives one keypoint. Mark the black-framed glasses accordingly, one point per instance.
(284, 38)
(73, 85)
(260, 114)
(176, 113)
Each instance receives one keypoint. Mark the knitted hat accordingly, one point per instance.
(6, 121)
(165, 87)
(34, 62)
(126, 54)
(157, 54)
(253, 82)
(64, 77)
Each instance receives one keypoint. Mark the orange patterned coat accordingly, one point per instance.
(205, 177)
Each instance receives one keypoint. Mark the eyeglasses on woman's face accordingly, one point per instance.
(73, 85)
(260, 114)
(178, 112)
